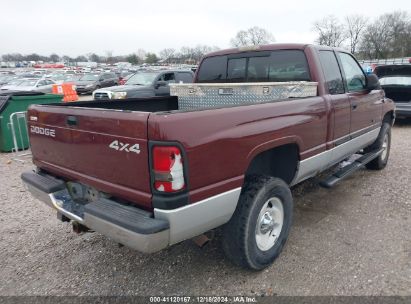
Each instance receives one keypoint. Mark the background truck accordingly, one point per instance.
(153, 172)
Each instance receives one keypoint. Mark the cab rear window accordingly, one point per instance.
(267, 66)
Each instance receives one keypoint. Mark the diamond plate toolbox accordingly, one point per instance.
(193, 96)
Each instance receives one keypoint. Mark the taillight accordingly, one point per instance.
(168, 169)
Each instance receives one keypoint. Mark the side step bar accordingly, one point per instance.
(350, 169)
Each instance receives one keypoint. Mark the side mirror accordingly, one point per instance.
(101, 79)
(372, 82)
(161, 83)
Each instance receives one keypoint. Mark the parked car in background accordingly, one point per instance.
(146, 84)
(90, 82)
(396, 82)
(5, 79)
(31, 84)
(13, 82)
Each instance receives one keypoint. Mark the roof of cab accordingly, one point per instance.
(271, 47)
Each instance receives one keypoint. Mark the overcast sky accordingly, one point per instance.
(76, 27)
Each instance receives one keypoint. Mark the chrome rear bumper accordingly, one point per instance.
(147, 233)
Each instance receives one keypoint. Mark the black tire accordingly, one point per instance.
(239, 234)
(381, 161)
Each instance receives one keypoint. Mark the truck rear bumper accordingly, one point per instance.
(145, 234)
(131, 226)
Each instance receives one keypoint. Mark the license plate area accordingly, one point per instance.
(73, 199)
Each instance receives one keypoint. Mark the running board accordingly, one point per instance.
(350, 169)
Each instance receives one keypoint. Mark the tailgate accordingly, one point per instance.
(104, 149)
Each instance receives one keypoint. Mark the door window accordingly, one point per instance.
(354, 75)
(184, 77)
(169, 77)
(332, 72)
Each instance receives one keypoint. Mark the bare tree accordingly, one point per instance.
(355, 26)
(388, 36)
(330, 31)
(240, 39)
(167, 54)
(187, 53)
(399, 23)
(253, 36)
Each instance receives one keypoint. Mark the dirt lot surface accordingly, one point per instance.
(354, 239)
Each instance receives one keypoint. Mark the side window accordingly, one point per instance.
(184, 77)
(236, 69)
(41, 83)
(213, 69)
(354, 75)
(332, 72)
(169, 77)
(288, 65)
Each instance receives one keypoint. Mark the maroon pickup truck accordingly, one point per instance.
(149, 173)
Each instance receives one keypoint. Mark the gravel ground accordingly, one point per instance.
(354, 239)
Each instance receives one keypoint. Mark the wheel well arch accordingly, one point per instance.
(281, 161)
(389, 117)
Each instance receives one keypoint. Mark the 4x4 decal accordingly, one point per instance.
(119, 146)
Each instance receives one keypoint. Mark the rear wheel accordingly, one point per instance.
(383, 141)
(258, 230)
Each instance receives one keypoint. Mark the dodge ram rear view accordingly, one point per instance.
(222, 152)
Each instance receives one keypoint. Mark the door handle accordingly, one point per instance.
(72, 120)
(354, 106)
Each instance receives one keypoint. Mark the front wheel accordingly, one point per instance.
(383, 141)
(259, 227)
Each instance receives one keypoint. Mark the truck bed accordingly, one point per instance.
(102, 144)
(153, 104)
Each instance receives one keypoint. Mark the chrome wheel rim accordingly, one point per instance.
(269, 224)
(385, 147)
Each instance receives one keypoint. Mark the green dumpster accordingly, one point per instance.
(13, 125)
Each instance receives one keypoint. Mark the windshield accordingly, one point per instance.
(142, 79)
(89, 77)
(395, 80)
(28, 83)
